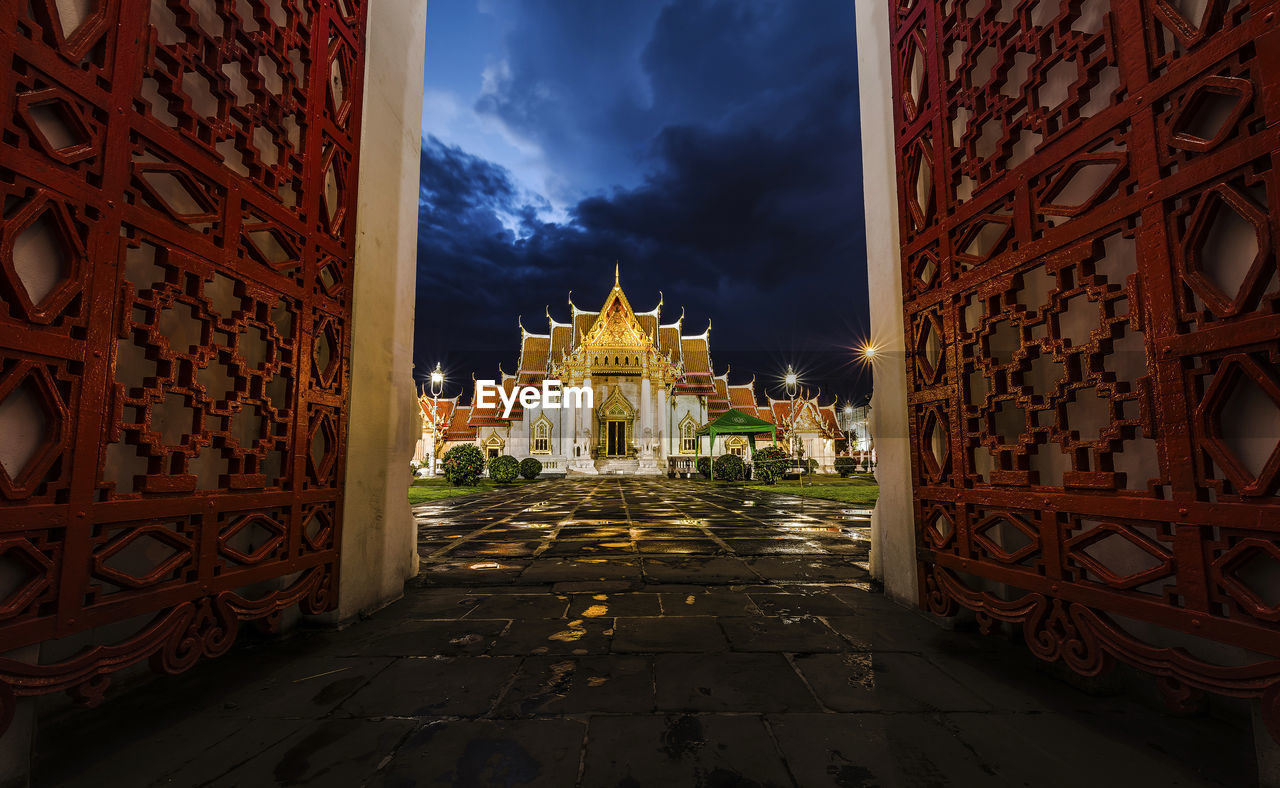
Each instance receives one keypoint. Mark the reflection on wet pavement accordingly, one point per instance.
(644, 517)
(638, 632)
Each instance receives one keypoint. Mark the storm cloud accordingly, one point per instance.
(713, 154)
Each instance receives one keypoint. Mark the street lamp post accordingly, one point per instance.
(848, 428)
(792, 381)
(437, 388)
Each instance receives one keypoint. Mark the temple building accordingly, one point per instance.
(652, 386)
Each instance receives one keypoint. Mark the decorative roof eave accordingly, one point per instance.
(553, 324)
(526, 333)
(575, 310)
(679, 321)
(656, 312)
(705, 336)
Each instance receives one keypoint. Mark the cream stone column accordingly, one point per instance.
(581, 429)
(892, 528)
(648, 456)
(378, 533)
(646, 417)
(577, 422)
(662, 421)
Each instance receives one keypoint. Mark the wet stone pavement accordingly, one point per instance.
(626, 632)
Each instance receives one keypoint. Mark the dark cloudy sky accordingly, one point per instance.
(709, 146)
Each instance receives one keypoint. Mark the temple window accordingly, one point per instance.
(542, 437)
(688, 436)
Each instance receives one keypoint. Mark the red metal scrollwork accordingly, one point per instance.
(178, 185)
(1088, 196)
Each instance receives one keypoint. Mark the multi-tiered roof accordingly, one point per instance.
(617, 341)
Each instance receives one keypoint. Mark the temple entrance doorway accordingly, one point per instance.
(616, 438)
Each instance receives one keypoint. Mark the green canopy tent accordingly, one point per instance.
(735, 422)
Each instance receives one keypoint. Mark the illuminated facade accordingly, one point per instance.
(652, 387)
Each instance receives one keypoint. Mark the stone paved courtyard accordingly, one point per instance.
(635, 633)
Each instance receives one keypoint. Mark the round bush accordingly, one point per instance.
(770, 462)
(703, 464)
(845, 466)
(504, 469)
(729, 468)
(530, 467)
(463, 464)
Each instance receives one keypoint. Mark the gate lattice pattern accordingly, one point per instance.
(178, 182)
(1088, 193)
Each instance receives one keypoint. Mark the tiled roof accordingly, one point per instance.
(696, 355)
(459, 428)
(829, 422)
(561, 340)
(444, 407)
(533, 358)
(648, 324)
(743, 398)
(582, 323)
(669, 341)
(492, 415)
(718, 401)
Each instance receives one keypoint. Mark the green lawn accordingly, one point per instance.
(426, 490)
(861, 490)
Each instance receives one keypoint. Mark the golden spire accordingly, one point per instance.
(615, 273)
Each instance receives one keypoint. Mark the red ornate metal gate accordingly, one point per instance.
(1088, 195)
(178, 182)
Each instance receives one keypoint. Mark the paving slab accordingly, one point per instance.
(542, 753)
(327, 754)
(427, 638)
(604, 605)
(511, 606)
(556, 570)
(819, 603)
(730, 682)
(650, 634)
(781, 633)
(304, 688)
(714, 602)
(678, 750)
(698, 570)
(886, 681)
(431, 686)
(841, 750)
(574, 685)
(556, 636)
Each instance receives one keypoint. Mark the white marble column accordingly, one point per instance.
(646, 408)
(582, 463)
(648, 456)
(577, 425)
(663, 422)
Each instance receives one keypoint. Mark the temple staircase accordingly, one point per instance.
(618, 466)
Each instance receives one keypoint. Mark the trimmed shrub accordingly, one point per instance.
(463, 464)
(812, 465)
(845, 466)
(770, 462)
(504, 469)
(729, 468)
(530, 467)
(703, 464)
